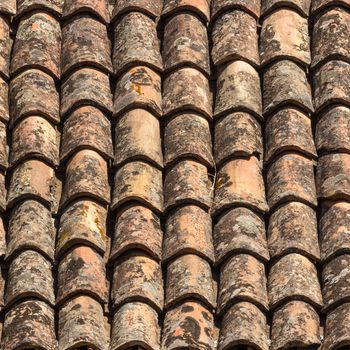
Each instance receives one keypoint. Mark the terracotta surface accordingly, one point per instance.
(98, 8)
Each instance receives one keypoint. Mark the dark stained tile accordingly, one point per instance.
(288, 130)
(199, 7)
(26, 6)
(294, 277)
(185, 43)
(87, 127)
(248, 284)
(35, 137)
(295, 324)
(220, 6)
(238, 89)
(139, 87)
(38, 45)
(5, 47)
(187, 89)
(244, 325)
(137, 277)
(141, 182)
(86, 86)
(81, 323)
(85, 42)
(4, 101)
(31, 227)
(240, 183)
(151, 8)
(189, 325)
(240, 230)
(291, 177)
(187, 182)
(189, 277)
(285, 83)
(137, 227)
(293, 228)
(8, 7)
(82, 222)
(319, 5)
(29, 325)
(302, 6)
(136, 43)
(3, 146)
(188, 230)
(235, 37)
(137, 136)
(81, 271)
(135, 324)
(188, 135)
(96, 7)
(30, 276)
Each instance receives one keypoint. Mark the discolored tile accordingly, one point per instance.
(85, 43)
(8, 7)
(244, 324)
(291, 178)
(3, 146)
(137, 277)
(137, 136)
(333, 176)
(289, 130)
(38, 45)
(135, 324)
(82, 271)
(188, 277)
(3, 247)
(238, 89)
(242, 277)
(319, 5)
(5, 47)
(53, 6)
(285, 35)
(240, 183)
(187, 182)
(31, 227)
(188, 230)
(186, 43)
(199, 7)
(301, 6)
(188, 135)
(87, 128)
(35, 137)
(240, 230)
(237, 135)
(81, 323)
(82, 222)
(179, 324)
(136, 43)
(285, 83)
(235, 37)
(187, 89)
(139, 87)
(86, 86)
(151, 8)
(295, 324)
(4, 101)
(30, 276)
(141, 182)
(29, 325)
(220, 6)
(96, 7)
(294, 277)
(3, 193)
(33, 92)
(137, 227)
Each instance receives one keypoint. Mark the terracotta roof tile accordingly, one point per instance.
(26, 6)
(137, 277)
(295, 324)
(289, 130)
(135, 324)
(141, 182)
(187, 89)
(240, 182)
(199, 7)
(5, 47)
(179, 323)
(244, 325)
(29, 325)
(220, 6)
(249, 283)
(186, 43)
(3, 146)
(96, 7)
(302, 6)
(8, 7)
(4, 101)
(3, 193)
(291, 177)
(151, 8)
(31, 227)
(293, 228)
(139, 87)
(294, 277)
(81, 271)
(319, 5)
(238, 89)
(81, 324)
(188, 231)
(3, 247)
(137, 137)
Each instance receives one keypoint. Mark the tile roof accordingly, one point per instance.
(174, 174)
